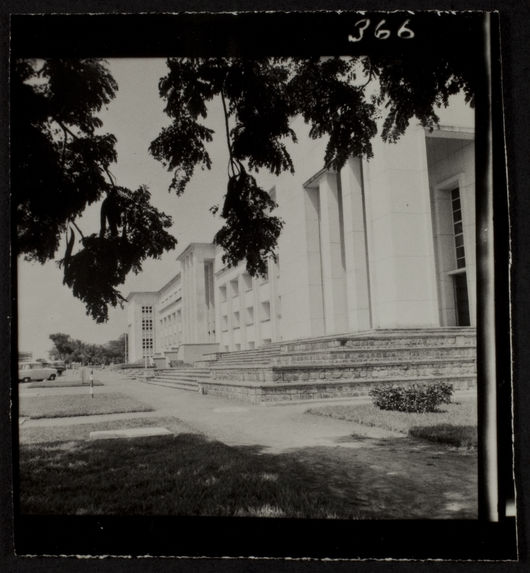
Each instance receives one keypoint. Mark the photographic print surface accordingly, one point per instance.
(255, 284)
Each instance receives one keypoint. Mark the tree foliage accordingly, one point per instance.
(73, 350)
(61, 165)
(61, 161)
(341, 98)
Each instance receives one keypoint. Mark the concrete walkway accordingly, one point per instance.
(274, 428)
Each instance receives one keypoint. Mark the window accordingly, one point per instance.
(250, 315)
(251, 344)
(458, 229)
(222, 292)
(265, 311)
(147, 346)
(234, 288)
(224, 322)
(147, 324)
(279, 307)
(247, 281)
(236, 319)
(147, 309)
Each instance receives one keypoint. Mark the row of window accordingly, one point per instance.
(232, 287)
(171, 318)
(458, 229)
(249, 346)
(147, 343)
(249, 319)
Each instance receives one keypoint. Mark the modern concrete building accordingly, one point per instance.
(385, 243)
(179, 319)
(141, 325)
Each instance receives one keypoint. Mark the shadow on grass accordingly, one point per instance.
(457, 436)
(187, 474)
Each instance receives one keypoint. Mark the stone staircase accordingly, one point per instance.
(349, 365)
(256, 357)
(333, 366)
(182, 378)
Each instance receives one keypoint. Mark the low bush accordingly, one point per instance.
(412, 398)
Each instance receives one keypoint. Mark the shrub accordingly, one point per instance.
(412, 398)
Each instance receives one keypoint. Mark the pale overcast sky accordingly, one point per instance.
(135, 116)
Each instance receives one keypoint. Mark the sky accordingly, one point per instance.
(135, 116)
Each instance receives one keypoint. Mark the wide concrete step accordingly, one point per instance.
(183, 378)
(266, 392)
(384, 369)
(181, 385)
(387, 339)
(242, 364)
(177, 371)
(377, 369)
(365, 355)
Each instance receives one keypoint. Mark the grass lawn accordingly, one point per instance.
(455, 424)
(61, 383)
(76, 432)
(59, 406)
(185, 474)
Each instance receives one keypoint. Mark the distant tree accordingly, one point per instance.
(72, 350)
(64, 346)
(61, 165)
(24, 356)
(115, 350)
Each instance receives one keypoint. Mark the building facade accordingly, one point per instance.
(384, 243)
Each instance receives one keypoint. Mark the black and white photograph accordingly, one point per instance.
(260, 284)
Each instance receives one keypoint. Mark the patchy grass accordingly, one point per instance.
(59, 406)
(61, 383)
(76, 432)
(173, 475)
(459, 436)
(451, 425)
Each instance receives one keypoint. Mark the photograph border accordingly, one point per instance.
(488, 534)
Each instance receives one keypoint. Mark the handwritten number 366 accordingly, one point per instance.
(380, 33)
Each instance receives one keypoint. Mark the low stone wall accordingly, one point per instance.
(344, 355)
(270, 393)
(382, 341)
(381, 370)
(243, 374)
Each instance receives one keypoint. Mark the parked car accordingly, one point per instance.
(29, 371)
(59, 365)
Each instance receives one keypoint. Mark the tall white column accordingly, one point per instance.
(357, 280)
(402, 265)
(333, 268)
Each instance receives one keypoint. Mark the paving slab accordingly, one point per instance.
(129, 433)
